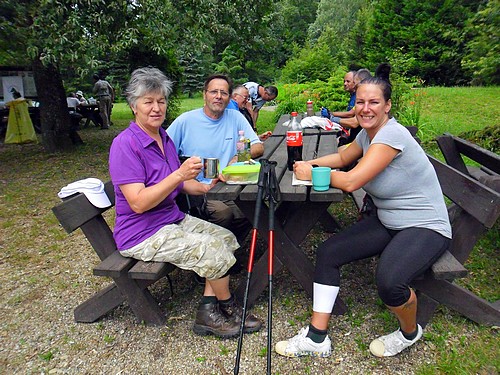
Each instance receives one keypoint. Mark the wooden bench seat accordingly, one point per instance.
(447, 267)
(114, 265)
(131, 278)
(474, 209)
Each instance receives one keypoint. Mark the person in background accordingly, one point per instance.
(79, 96)
(105, 97)
(147, 176)
(73, 105)
(350, 87)
(348, 119)
(212, 131)
(397, 174)
(239, 101)
(259, 95)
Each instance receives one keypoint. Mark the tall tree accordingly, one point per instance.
(82, 34)
(430, 32)
(482, 52)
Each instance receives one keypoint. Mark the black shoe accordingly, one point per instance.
(210, 321)
(234, 311)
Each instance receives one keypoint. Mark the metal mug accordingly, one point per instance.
(210, 167)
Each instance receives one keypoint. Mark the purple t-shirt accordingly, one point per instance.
(135, 157)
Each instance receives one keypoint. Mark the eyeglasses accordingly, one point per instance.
(222, 93)
(246, 97)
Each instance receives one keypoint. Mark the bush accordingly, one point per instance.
(310, 65)
(330, 94)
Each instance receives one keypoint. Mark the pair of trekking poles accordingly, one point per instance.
(268, 190)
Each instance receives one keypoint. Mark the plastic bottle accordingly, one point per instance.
(294, 141)
(243, 147)
(310, 109)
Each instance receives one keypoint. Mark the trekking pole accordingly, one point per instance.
(273, 197)
(258, 203)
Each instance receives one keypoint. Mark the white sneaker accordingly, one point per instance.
(392, 344)
(300, 345)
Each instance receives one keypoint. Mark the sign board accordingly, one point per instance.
(13, 74)
(12, 88)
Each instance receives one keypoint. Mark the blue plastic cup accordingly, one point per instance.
(321, 178)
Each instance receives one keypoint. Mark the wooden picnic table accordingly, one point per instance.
(90, 113)
(298, 211)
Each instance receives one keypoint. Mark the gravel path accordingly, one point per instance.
(39, 334)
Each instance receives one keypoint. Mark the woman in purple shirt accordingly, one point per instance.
(147, 177)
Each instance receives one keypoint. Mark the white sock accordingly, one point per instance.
(324, 297)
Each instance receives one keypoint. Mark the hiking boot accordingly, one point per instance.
(210, 321)
(393, 343)
(301, 345)
(234, 311)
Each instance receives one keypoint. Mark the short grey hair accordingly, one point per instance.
(147, 80)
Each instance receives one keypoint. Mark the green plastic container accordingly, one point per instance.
(241, 173)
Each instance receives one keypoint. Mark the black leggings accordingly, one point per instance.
(404, 255)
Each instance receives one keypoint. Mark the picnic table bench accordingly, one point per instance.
(474, 209)
(131, 277)
(488, 171)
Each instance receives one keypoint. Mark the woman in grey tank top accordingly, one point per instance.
(409, 232)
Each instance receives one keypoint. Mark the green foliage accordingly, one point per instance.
(338, 15)
(482, 57)
(429, 32)
(263, 352)
(330, 94)
(459, 110)
(449, 343)
(311, 64)
(108, 339)
(231, 64)
(46, 356)
(487, 137)
(223, 349)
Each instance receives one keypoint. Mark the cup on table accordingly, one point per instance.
(321, 178)
(210, 167)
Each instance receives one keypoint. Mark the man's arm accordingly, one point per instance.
(255, 115)
(349, 123)
(256, 150)
(347, 114)
(111, 92)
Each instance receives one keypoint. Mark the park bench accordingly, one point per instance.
(474, 209)
(474, 192)
(488, 171)
(131, 278)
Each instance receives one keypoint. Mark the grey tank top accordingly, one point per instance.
(407, 193)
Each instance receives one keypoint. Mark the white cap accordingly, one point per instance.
(93, 188)
(79, 93)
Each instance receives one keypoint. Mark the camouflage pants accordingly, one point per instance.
(193, 244)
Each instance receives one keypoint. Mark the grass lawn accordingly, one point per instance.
(32, 242)
(459, 109)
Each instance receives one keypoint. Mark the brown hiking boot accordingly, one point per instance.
(210, 321)
(234, 311)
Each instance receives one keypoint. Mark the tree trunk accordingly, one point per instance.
(57, 134)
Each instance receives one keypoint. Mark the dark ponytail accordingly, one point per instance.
(381, 79)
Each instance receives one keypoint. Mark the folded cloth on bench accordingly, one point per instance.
(93, 188)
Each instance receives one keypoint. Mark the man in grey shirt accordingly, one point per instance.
(105, 97)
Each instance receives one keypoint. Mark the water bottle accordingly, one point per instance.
(294, 141)
(310, 109)
(243, 147)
